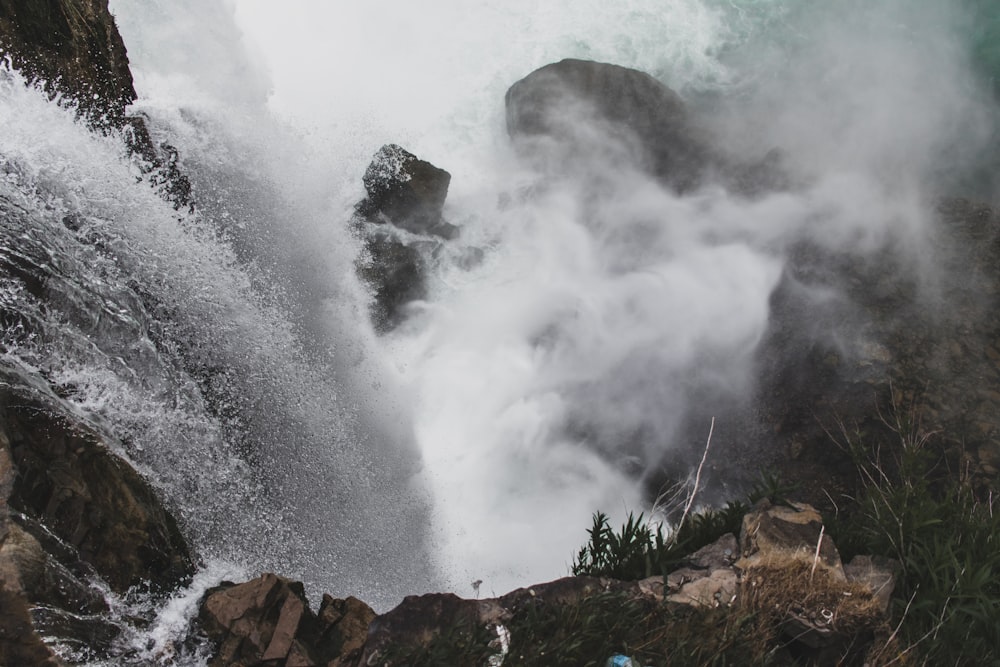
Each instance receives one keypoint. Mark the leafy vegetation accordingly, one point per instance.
(638, 550)
(586, 632)
(911, 508)
(945, 537)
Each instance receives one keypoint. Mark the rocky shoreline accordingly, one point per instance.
(71, 511)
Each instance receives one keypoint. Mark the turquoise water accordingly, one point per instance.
(916, 57)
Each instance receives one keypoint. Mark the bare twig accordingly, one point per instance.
(895, 632)
(697, 477)
(819, 543)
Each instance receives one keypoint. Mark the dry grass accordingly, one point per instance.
(782, 590)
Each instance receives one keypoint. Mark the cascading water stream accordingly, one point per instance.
(569, 331)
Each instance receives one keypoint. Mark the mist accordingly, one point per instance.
(589, 320)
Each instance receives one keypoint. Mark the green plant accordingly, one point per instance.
(638, 550)
(631, 553)
(945, 538)
(585, 632)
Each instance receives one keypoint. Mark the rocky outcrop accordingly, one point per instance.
(74, 48)
(577, 112)
(790, 567)
(815, 608)
(69, 482)
(897, 351)
(401, 222)
(407, 192)
(268, 621)
(72, 513)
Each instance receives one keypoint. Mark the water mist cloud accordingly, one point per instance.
(608, 316)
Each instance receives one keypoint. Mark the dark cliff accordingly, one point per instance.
(74, 48)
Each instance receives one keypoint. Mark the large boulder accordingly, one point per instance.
(72, 513)
(579, 111)
(70, 482)
(407, 192)
(401, 223)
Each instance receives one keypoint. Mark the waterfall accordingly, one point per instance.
(570, 333)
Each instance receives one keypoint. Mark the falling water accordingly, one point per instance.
(566, 336)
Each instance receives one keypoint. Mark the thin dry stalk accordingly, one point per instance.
(697, 477)
(819, 543)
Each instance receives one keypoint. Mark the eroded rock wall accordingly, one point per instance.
(74, 48)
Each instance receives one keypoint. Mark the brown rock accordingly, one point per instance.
(878, 575)
(19, 644)
(343, 628)
(782, 534)
(268, 621)
(74, 47)
(71, 483)
(578, 111)
(417, 621)
(69, 511)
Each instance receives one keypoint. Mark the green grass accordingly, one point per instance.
(585, 633)
(638, 550)
(913, 509)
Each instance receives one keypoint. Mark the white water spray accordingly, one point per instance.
(530, 389)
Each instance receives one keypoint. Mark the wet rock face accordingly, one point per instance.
(407, 191)
(268, 621)
(900, 350)
(401, 223)
(71, 513)
(74, 46)
(577, 110)
(68, 482)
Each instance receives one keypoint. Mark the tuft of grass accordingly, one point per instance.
(946, 538)
(638, 550)
(587, 632)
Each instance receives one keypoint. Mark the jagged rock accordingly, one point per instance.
(70, 512)
(878, 575)
(161, 163)
(75, 48)
(407, 192)
(344, 628)
(579, 110)
(19, 643)
(268, 621)
(721, 553)
(417, 620)
(401, 222)
(709, 579)
(71, 483)
(781, 534)
(396, 273)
